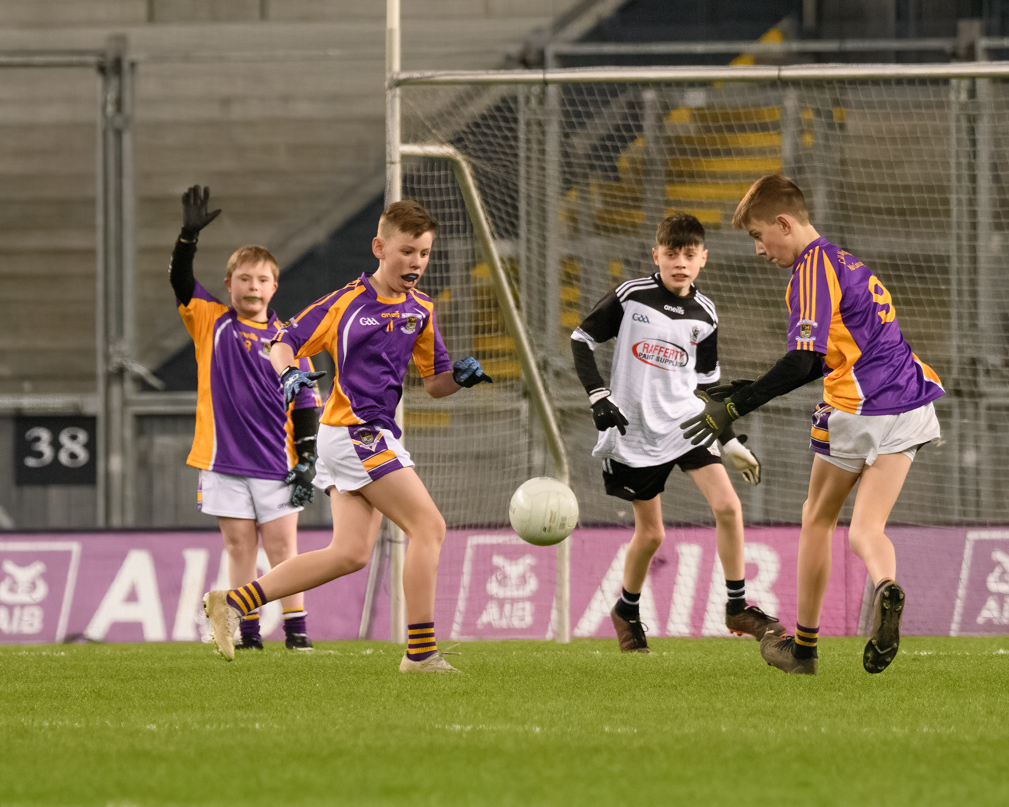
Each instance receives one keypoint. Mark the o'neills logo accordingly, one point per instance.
(664, 355)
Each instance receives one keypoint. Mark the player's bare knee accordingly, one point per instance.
(649, 539)
(727, 510)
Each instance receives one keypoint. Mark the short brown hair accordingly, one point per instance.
(252, 255)
(406, 217)
(678, 231)
(767, 198)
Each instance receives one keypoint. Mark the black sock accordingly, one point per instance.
(737, 596)
(805, 641)
(627, 605)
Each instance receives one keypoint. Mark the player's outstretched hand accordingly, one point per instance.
(300, 477)
(294, 380)
(702, 429)
(468, 373)
(742, 459)
(195, 217)
(605, 413)
(722, 391)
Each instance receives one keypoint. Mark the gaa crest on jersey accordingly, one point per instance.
(695, 332)
(805, 329)
(410, 323)
(661, 354)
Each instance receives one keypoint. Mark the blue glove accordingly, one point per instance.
(468, 373)
(301, 476)
(294, 380)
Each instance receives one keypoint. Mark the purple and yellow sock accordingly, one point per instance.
(247, 599)
(420, 643)
(805, 641)
(249, 626)
(294, 622)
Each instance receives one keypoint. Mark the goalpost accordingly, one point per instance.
(569, 171)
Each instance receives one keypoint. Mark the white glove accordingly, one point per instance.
(743, 460)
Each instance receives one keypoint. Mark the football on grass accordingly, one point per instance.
(543, 511)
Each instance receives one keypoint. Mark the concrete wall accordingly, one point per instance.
(277, 105)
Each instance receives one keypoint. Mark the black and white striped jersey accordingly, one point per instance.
(666, 345)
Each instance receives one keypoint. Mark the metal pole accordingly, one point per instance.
(110, 290)
(128, 241)
(393, 193)
(956, 224)
(744, 73)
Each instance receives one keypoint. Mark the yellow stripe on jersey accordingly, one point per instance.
(813, 275)
(802, 288)
(927, 371)
(379, 459)
(820, 434)
(423, 347)
(326, 336)
(840, 387)
(199, 318)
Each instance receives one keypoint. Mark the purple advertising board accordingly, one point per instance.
(143, 586)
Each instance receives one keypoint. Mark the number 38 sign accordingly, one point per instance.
(55, 451)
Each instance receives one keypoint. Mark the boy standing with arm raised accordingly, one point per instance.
(876, 413)
(246, 441)
(667, 346)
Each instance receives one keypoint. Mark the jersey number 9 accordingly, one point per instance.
(882, 297)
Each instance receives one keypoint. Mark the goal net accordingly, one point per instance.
(575, 175)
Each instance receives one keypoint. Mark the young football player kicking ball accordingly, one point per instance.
(667, 346)
(876, 413)
(246, 442)
(372, 327)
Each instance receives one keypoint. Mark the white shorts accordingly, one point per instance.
(853, 441)
(351, 457)
(260, 500)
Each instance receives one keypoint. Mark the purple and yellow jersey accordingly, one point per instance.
(371, 339)
(241, 425)
(837, 307)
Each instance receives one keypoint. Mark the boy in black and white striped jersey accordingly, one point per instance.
(666, 347)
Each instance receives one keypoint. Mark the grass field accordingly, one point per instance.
(699, 722)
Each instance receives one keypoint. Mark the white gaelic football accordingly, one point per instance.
(543, 511)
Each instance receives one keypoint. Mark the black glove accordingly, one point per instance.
(605, 413)
(302, 474)
(706, 426)
(468, 373)
(293, 380)
(194, 212)
(720, 392)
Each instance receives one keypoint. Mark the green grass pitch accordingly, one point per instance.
(699, 722)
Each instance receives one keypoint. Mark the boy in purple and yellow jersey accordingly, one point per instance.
(876, 413)
(372, 328)
(254, 457)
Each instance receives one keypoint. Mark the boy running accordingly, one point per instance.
(667, 346)
(245, 443)
(876, 413)
(371, 327)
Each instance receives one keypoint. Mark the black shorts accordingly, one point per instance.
(629, 483)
